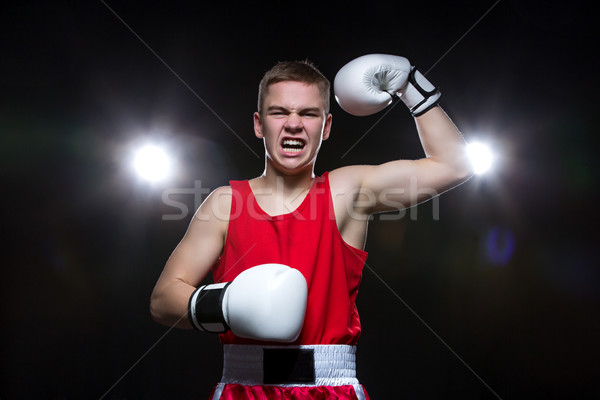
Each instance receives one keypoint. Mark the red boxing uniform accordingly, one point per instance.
(308, 240)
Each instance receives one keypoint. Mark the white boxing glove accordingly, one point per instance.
(266, 302)
(368, 84)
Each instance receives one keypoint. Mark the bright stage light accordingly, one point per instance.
(481, 157)
(152, 163)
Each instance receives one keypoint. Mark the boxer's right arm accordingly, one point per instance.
(191, 261)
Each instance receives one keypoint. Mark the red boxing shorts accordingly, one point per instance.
(289, 372)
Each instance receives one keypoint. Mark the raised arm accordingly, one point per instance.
(191, 260)
(367, 85)
(405, 183)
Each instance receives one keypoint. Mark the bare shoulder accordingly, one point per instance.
(213, 213)
(203, 241)
(346, 186)
(207, 231)
(348, 179)
(217, 204)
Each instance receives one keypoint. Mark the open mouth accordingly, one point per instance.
(292, 145)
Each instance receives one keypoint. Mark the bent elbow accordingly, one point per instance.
(156, 309)
(464, 172)
(462, 169)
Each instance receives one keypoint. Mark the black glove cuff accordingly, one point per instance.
(426, 95)
(205, 309)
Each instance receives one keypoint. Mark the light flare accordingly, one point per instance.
(482, 158)
(152, 163)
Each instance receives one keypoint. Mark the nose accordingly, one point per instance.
(293, 122)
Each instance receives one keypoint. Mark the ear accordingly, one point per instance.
(327, 127)
(257, 125)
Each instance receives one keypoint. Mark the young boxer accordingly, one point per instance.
(286, 249)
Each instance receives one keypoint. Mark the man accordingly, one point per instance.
(286, 248)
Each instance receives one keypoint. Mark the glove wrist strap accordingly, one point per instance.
(423, 96)
(205, 308)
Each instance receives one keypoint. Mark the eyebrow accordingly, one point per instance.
(303, 110)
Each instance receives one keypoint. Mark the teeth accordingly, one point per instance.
(292, 142)
(292, 150)
(292, 145)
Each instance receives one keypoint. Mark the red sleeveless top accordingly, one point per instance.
(306, 239)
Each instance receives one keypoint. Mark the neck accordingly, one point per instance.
(286, 182)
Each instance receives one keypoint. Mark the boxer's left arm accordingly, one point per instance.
(400, 184)
(404, 183)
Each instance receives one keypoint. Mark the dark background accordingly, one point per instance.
(84, 240)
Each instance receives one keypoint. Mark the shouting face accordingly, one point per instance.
(293, 124)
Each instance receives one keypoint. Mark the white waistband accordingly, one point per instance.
(334, 365)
